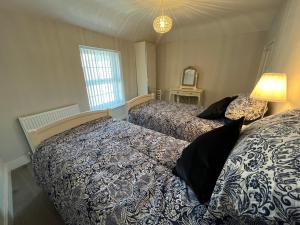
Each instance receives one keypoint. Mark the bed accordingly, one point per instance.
(113, 172)
(174, 119)
(98, 170)
(260, 182)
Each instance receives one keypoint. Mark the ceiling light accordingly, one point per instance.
(162, 24)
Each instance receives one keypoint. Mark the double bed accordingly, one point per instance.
(174, 119)
(98, 170)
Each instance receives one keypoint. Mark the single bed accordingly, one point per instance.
(174, 119)
(98, 170)
(113, 172)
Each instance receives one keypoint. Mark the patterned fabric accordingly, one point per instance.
(109, 172)
(243, 105)
(174, 119)
(261, 179)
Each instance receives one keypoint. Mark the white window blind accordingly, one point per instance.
(103, 77)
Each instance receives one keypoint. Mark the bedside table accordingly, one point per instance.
(176, 93)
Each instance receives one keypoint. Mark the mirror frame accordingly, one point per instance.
(194, 85)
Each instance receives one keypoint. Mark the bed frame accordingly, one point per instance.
(38, 135)
(139, 100)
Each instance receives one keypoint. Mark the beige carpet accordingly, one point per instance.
(31, 204)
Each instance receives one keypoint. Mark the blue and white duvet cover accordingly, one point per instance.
(260, 182)
(113, 172)
(174, 119)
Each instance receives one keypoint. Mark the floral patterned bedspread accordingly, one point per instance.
(109, 172)
(260, 181)
(174, 119)
(113, 172)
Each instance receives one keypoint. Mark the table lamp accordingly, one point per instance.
(271, 87)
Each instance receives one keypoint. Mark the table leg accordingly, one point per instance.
(199, 101)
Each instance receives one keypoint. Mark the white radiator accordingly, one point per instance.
(32, 122)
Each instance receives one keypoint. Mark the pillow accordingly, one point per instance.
(244, 106)
(202, 161)
(217, 109)
(260, 179)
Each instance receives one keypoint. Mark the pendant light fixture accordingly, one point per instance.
(163, 23)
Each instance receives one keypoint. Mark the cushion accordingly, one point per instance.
(217, 109)
(261, 177)
(202, 161)
(244, 106)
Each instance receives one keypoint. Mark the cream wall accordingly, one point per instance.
(227, 64)
(286, 53)
(40, 69)
(227, 53)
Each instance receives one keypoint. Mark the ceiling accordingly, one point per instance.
(132, 19)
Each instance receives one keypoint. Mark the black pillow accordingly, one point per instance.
(202, 161)
(217, 110)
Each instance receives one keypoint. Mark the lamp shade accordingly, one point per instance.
(162, 24)
(271, 87)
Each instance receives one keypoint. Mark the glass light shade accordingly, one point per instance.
(271, 87)
(162, 24)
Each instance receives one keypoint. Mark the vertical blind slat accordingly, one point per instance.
(89, 77)
(96, 78)
(116, 89)
(103, 59)
(85, 72)
(120, 90)
(103, 79)
(108, 68)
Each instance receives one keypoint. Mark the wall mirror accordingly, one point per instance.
(189, 78)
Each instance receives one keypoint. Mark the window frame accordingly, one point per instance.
(121, 73)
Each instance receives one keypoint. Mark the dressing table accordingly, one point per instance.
(188, 87)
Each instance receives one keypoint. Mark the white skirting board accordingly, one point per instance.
(6, 213)
(6, 210)
(18, 162)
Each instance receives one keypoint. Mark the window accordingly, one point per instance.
(103, 77)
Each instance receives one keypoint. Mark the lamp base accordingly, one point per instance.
(265, 110)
